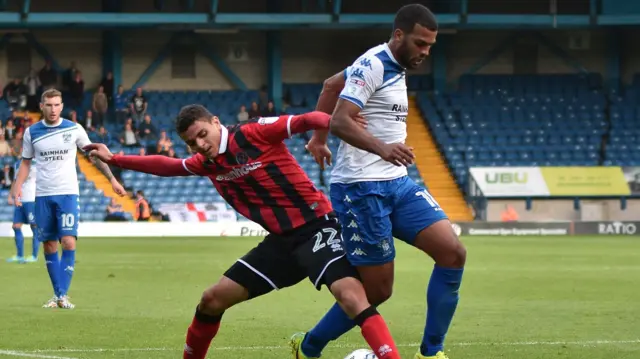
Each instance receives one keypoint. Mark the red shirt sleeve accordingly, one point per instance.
(274, 130)
(195, 165)
(155, 165)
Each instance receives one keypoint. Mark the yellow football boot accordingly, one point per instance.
(439, 355)
(296, 344)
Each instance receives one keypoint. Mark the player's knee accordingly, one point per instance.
(351, 296)
(379, 294)
(460, 255)
(17, 225)
(220, 297)
(68, 243)
(50, 247)
(454, 256)
(212, 302)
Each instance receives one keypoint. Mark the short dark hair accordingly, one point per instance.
(190, 114)
(410, 15)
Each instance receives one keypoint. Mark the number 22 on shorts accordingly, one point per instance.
(333, 241)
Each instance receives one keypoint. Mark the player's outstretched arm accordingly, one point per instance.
(106, 171)
(274, 130)
(327, 101)
(345, 127)
(155, 165)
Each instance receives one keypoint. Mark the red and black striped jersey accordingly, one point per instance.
(254, 171)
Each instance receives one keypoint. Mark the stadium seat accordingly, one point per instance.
(503, 120)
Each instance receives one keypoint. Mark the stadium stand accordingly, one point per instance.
(491, 120)
(181, 190)
(508, 120)
(163, 105)
(623, 147)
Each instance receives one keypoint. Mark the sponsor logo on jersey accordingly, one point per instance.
(239, 172)
(54, 155)
(400, 108)
(268, 120)
(357, 82)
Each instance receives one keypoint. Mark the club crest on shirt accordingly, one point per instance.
(66, 137)
(242, 158)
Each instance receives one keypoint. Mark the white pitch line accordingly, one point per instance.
(30, 355)
(250, 348)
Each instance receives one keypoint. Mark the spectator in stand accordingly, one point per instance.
(5, 148)
(10, 129)
(129, 137)
(172, 153)
(90, 123)
(15, 93)
(147, 131)
(270, 111)
(121, 106)
(114, 212)
(101, 136)
(254, 111)
(16, 144)
(73, 116)
(69, 75)
(76, 91)
(7, 176)
(48, 76)
(142, 151)
(107, 85)
(164, 143)
(100, 105)
(243, 115)
(32, 84)
(133, 125)
(138, 106)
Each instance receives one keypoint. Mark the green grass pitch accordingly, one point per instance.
(522, 298)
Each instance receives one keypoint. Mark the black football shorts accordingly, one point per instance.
(314, 251)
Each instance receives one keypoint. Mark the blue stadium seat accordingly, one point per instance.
(529, 120)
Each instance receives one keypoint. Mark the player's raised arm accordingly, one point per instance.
(276, 129)
(362, 81)
(155, 164)
(331, 89)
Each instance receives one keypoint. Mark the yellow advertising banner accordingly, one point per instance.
(585, 181)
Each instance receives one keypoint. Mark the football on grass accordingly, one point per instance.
(362, 354)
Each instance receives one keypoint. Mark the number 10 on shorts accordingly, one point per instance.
(68, 220)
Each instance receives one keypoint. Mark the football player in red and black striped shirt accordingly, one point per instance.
(253, 170)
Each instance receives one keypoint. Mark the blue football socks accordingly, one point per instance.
(19, 238)
(333, 325)
(53, 267)
(35, 242)
(66, 270)
(442, 300)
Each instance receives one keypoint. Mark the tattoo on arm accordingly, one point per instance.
(104, 168)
